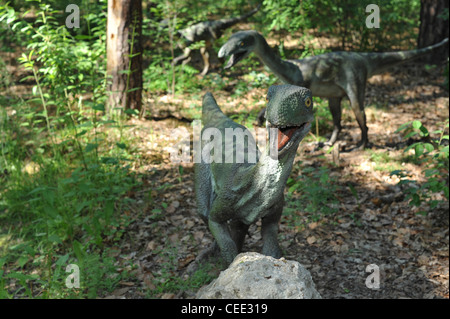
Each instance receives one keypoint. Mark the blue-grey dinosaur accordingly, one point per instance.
(231, 195)
(331, 75)
(209, 31)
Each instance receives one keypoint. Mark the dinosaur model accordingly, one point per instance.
(331, 75)
(209, 31)
(231, 195)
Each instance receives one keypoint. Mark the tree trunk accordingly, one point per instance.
(123, 44)
(433, 28)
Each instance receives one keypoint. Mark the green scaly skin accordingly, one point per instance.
(231, 196)
(332, 75)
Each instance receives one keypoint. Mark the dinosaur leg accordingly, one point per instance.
(238, 232)
(186, 61)
(185, 57)
(204, 192)
(357, 103)
(222, 235)
(269, 230)
(334, 104)
(205, 55)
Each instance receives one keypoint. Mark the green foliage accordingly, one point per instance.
(56, 210)
(66, 216)
(313, 192)
(252, 80)
(323, 120)
(345, 20)
(168, 281)
(433, 154)
(67, 62)
(284, 14)
(384, 161)
(256, 79)
(159, 76)
(64, 179)
(5, 77)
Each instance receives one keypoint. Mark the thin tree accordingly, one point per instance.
(124, 54)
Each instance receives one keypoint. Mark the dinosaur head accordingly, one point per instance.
(239, 46)
(289, 115)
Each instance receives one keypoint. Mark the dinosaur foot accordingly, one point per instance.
(361, 146)
(317, 146)
(204, 72)
(326, 145)
(210, 252)
(341, 146)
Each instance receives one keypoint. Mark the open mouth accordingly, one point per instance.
(235, 58)
(288, 135)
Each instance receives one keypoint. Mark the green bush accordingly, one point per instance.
(345, 20)
(433, 153)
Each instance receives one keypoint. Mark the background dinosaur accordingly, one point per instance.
(332, 75)
(231, 196)
(209, 31)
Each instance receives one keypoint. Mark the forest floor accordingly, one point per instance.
(363, 216)
(369, 220)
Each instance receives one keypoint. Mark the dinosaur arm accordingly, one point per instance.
(203, 189)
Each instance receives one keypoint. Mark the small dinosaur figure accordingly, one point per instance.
(231, 195)
(209, 31)
(331, 75)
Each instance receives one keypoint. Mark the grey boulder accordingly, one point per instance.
(255, 276)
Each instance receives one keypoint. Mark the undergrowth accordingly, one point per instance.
(65, 179)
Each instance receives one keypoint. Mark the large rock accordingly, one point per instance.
(252, 275)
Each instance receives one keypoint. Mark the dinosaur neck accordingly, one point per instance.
(286, 71)
(271, 175)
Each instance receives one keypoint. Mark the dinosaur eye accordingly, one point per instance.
(308, 102)
(241, 44)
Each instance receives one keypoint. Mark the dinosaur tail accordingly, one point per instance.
(381, 61)
(226, 23)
